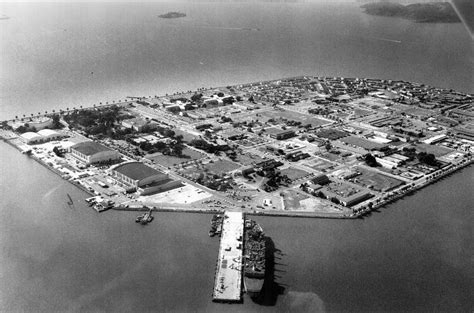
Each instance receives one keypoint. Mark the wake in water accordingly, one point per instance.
(387, 40)
(189, 24)
(49, 193)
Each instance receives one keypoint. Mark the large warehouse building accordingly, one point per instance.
(90, 152)
(144, 179)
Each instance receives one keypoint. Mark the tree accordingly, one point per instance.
(196, 96)
(370, 160)
(328, 146)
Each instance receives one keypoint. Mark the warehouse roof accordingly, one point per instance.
(48, 133)
(90, 147)
(136, 170)
(31, 135)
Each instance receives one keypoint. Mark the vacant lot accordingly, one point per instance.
(248, 158)
(319, 164)
(186, 136)
(362, 143)
(294, 173)
(434, 149)
(331, 134)
(295, 116)
(292, 198)
(376, 181)
(221, 166)
(167, 160)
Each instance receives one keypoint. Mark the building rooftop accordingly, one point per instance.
(90, 147)
(136, 170)
(30, 135)
(48, 132)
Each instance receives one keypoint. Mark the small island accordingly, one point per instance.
(439, 12)
(172, 15)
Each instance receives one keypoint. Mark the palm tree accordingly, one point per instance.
(16, 117)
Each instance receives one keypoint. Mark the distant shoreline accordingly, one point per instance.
(172, 15)
(439, 12)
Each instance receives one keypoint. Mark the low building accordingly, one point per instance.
(387, 163)
(135, 123)
(32, 138)
(348, 200)
(321, 179)
(434, 139)
(41, 122)
(90, 152)
(281, 134)
(312, 188)
(49, 134)
(144, 179)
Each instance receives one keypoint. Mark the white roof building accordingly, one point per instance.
(31, 137)
(49, 134)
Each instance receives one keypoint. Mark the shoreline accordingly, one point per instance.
(119, 200)
(294, 214)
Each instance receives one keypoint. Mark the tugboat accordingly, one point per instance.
(145, 218)
(254, 258)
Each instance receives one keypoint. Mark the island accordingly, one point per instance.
(172, 15)
(436, 12)
(308, 146)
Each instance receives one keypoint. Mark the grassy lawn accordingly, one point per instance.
(379, 182)
(221, 166)
(294, 173)
(167, 160)
(319, 164)
(186, 136)
(434, 149)
(247, 159)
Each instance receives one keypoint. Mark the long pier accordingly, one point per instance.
(228, 277)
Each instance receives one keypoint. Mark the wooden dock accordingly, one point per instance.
(228, 277)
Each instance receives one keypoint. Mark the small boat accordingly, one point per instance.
(70, 202)
(145, 218)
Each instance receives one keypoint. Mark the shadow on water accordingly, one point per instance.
(271, 289)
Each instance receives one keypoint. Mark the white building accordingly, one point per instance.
(90, 152)
(31, 138)
(49, 134)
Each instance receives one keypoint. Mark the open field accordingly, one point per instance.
(294, 116)
(294, 173)
(319, 164)
(168, 160)
(183, 195)
(221, 166)
(248, 158)
(434, 149)
(379, 182)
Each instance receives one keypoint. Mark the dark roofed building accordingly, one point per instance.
(137, 174)
(321, 179)
(280, 134)
(147, 180)
(91, 152)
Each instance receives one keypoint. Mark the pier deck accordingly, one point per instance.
(228, 277)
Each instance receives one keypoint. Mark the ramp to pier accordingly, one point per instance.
(228, 277)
